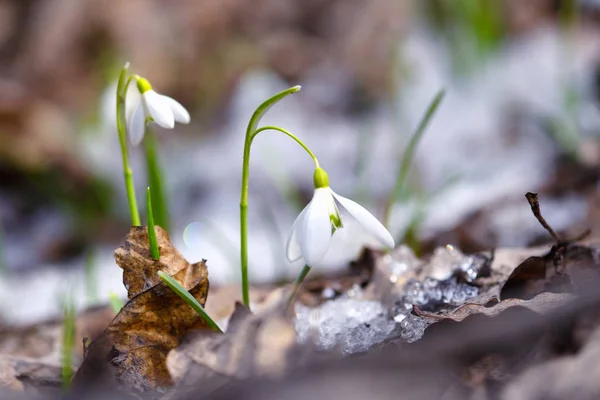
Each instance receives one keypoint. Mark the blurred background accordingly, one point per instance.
(520, 114)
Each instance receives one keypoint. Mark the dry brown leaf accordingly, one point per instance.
(140, 271)
(564, 268)
(571, 376)
(8, 376)
(19, 373)
(44, 339)
(261, 344)
(541, 303)
(154, 321)
(31, 355)
(221, 302)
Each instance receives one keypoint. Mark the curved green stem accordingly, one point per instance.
(298, 283)
(122, 129)
(250, 133)
(290, 134)
(244, 202)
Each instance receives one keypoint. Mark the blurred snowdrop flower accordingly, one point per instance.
(143, 105)
(312, 231)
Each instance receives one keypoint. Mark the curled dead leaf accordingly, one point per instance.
(563, 269)
(262, 344)
(542, 303)
(139, 269)
(154, 321)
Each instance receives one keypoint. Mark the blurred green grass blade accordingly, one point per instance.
(68, 343)
(155, 181)
(151, 231)
(563, 130)
(115, 302)
(410, 236)
(91, 286)
(188, 298)
(408, 155)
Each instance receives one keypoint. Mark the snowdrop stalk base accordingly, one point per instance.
(121, 128)
(251, 132)
(155, 179)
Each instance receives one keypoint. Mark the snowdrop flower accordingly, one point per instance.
(314, 227)
(145, 105)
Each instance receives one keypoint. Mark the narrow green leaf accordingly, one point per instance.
(151, 232)
(408, 155)
(188, 298)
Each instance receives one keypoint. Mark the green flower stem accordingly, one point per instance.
(298, 282)
(250, 133)
(151, 232)
(155, 179)
(408, 156)
(244, 202)
(68, 343)
(288, 133)
(188, 298)
(122, 129)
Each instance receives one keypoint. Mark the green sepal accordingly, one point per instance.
(143, 84)
(320, 178)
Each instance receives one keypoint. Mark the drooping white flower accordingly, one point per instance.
(145, 105)
(314, 227)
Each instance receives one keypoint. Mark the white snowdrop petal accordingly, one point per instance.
(133, 99)
(367, 220)
(180, 114)
(314, 229)
(136, 125)
(159, 109)
(292, 248)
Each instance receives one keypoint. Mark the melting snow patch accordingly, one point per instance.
(351, 324)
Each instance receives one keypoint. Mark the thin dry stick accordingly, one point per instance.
(532, 199)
